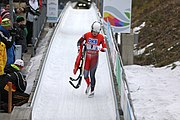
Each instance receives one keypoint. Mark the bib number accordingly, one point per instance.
(92, 47)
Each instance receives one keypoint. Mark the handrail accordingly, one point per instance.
(124, 80)
(124, 76)
(38, 25)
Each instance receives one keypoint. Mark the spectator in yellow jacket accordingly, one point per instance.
(3, 57)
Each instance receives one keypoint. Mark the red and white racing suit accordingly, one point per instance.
(92, 44)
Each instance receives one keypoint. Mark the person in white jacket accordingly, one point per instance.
(32, 11)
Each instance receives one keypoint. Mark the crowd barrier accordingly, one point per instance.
(118, 70)
(38, 25)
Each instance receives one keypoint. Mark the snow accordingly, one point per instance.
(155, 91)
(55, 98)
(136, 30)
(141, 51)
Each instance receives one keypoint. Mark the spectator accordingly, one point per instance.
(6, 36)
(61, 5)
(20, 37)
(3, 57)
(32, 11)
(14, 75)
(19, 10)
(20, 20)
(5, 12)
(19, 80)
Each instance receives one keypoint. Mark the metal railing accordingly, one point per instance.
(120, 76)
(38, 25)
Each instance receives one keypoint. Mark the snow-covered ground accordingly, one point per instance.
(155, 92)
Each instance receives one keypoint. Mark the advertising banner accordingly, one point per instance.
(111, 43)
(118, 13)
(52, 11)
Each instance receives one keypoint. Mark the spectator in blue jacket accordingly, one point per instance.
(7, 37)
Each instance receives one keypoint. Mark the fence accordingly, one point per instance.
(38, 25)
(118, 70)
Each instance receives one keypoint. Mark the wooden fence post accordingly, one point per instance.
(10, 97)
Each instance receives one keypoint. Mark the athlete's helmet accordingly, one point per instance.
(19, 62)
(96, 27)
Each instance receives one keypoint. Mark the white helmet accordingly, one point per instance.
(19, 62)
(96, 27)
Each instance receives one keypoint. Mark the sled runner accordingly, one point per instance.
(78, 66)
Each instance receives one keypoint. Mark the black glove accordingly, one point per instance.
(78, 47)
